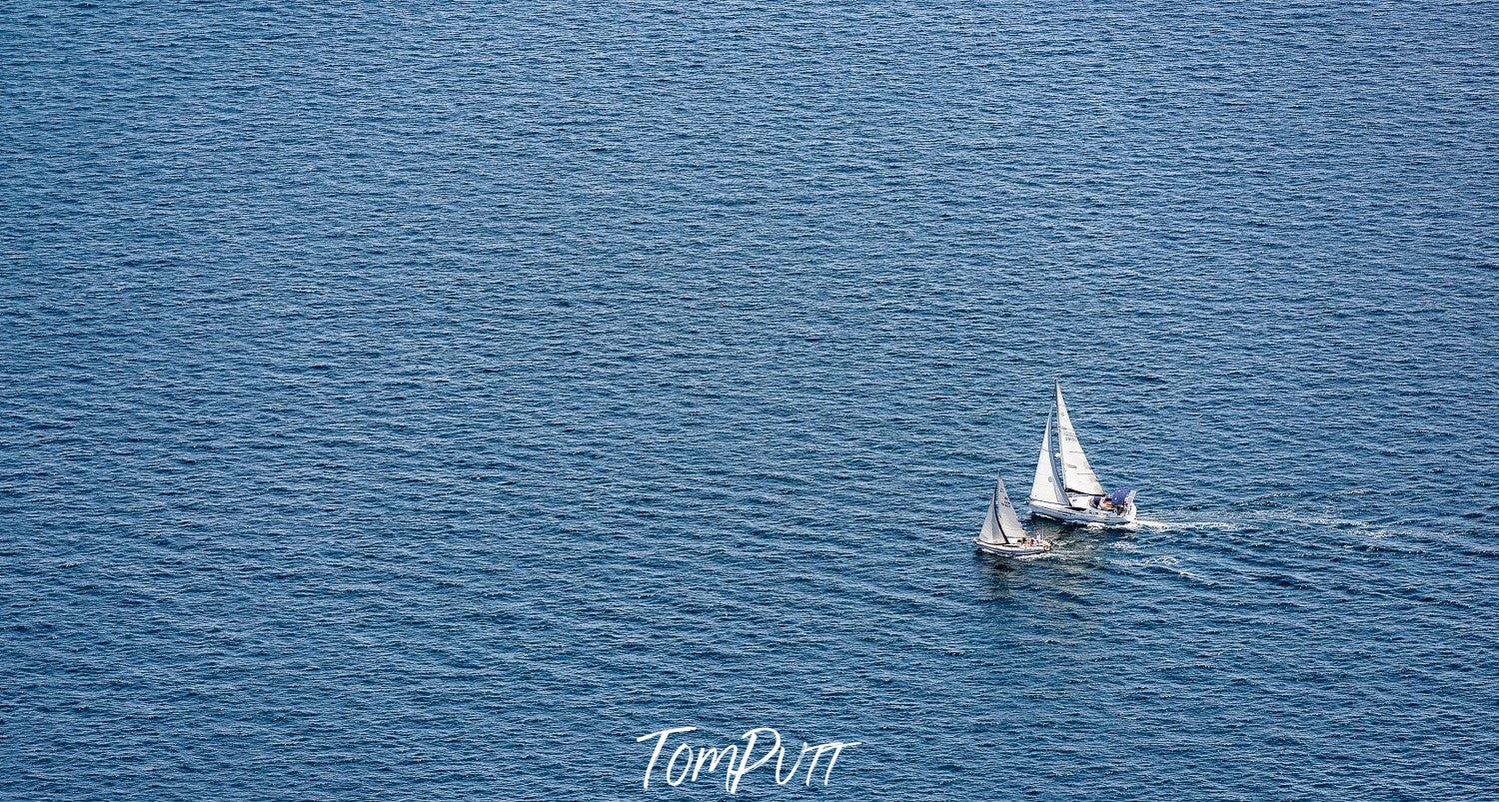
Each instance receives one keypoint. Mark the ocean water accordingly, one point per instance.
(426, 402)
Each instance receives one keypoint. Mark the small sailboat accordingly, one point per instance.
(1065, 488)
(1002, 533)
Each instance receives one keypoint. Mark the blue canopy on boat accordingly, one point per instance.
(1122, 496)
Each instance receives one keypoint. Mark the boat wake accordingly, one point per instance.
(1366, 527)
(1171, 565)
(1148, 523)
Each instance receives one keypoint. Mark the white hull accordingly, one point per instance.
(1089, 516)
(1017, 550)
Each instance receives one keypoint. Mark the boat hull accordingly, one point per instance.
(1083, 517)
(1003, 550)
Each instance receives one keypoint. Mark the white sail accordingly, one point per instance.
(1047, 486)
(1001, 524)
(1077, 474)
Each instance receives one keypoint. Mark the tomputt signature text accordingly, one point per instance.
(686, 764)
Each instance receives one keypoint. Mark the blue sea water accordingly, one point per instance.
(424, 402)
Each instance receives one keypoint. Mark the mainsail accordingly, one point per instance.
(1001, 524)
(1077, 474)
(1047, 486)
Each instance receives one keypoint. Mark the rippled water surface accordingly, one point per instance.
(426, 402)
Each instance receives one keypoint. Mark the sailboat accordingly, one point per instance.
(1065, 488)
(1002, 533)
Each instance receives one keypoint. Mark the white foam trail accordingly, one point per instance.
(1153, 524)
(1355, 525)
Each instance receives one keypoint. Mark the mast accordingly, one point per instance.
(1077, 474)
(1047, 486)
(1001, 524)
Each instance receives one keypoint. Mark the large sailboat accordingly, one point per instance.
(1065, 488)
(1002, 533)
